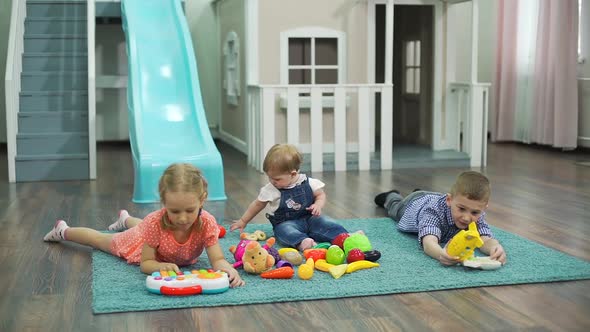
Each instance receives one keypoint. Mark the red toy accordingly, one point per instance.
(222, 231)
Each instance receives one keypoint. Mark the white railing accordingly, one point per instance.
(12, 80)
(91, 25)
(467, 107)
(268, 104)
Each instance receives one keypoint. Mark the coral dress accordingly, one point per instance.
(128, 244)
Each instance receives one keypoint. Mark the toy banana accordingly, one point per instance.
(463, 244)
(322, 265)
(360, 265)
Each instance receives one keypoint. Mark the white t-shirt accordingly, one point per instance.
(272, 195)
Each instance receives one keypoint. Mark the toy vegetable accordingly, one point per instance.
(285, 272)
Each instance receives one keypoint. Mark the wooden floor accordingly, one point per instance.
(538, 193)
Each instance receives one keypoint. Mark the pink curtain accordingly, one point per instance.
(554, 107)
(504, 85)
(555, 116)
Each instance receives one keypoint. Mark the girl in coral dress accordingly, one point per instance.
(173, 236)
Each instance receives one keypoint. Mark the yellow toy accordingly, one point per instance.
(464, 243)
(258, 235)
(305, 271)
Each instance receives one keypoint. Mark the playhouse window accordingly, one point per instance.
(412, 67)
(313, 60)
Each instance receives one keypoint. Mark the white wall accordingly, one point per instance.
(459, 42)
(202, 22)
(487, 40)
(459, 39)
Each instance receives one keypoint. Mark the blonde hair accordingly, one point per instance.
(181, 177)
(282, 158)
(473, 185)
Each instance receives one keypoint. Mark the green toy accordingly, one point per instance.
(357, 240)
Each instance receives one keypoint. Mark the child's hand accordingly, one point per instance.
(234, 277)
(169, 267)
(237, 224)
(497, 253)
(315, 209)
(448, 260)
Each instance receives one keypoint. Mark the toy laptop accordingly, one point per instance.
(188, 282)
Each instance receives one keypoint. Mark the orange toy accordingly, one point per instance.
(285, 272)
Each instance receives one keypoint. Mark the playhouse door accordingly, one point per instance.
(412, 74)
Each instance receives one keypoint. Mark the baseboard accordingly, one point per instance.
(584, 141)
(235, 142)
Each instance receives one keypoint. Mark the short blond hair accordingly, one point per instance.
(181, 177)
(473, 185)
(282, 158)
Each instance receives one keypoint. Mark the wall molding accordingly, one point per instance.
(227, 138)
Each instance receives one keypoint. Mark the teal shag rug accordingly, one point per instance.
(119, 287)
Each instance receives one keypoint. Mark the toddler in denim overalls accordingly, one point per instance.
(295, 202)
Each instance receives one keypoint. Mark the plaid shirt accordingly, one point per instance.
(430, 215)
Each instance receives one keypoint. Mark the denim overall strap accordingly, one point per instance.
(293, 204)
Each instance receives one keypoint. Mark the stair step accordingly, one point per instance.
(52, 122)
(53, 100)
(61, 156)
(72, 8)
(69, 43)
(52, 143)
(54, 81)
(55, 25)
(56, 61)
(52, 167)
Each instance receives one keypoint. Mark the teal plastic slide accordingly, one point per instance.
(167, 122)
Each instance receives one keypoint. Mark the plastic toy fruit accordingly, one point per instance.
(355, 255)
(282, 251)
(322, 245)
(221, 231)
(315, 254)
(339, 239)
(293, 257)
(357, 240)
(282, 263)
(305, 271)
(322, 265)
(360, 265)
(338, 270)
(372, 255)
(335, 255)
